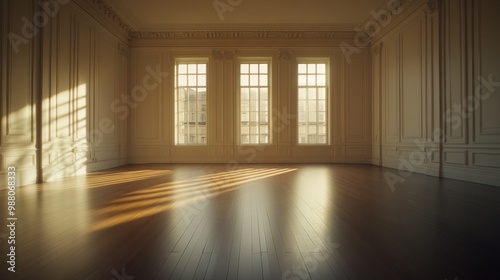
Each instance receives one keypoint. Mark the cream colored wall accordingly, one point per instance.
(414, 95)
(85, 71)
(18, 95)
(471, 74)
(74, 69)
(152, 122)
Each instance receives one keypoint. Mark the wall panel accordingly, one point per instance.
(412, 93)
(407, 63)
(19, 52)
(80, 129)
(486, 62)
(449, 89)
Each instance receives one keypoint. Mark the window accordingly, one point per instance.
(190, 103)
(254, 103)
(312, 103)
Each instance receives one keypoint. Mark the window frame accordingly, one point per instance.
(328, 98)
(254, 60)
(198, 112)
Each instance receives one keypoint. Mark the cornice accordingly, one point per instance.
(242, 35)
(112, 15)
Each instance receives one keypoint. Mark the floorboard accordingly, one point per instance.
(257, 221)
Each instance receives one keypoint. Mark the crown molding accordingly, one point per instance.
(243, 35)
(108, 12)
(324, 32)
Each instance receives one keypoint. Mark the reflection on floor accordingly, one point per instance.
(273, 221)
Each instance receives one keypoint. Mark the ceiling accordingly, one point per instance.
(156, 15)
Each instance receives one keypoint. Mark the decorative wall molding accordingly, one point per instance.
(123, 50)
(433, 5)
(224, 55)
(112, 15)
(377, 48)
(243, 35)
(284, 55)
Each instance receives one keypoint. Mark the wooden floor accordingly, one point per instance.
(254, 222)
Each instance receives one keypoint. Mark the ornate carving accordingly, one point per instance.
(284, 55)
(123, 50)
(223, 55)
(377, 48)
(110, 13)
(433, 5)
(243, 35)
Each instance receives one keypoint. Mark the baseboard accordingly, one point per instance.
(23, 177)
(474, 175)
(470, 174)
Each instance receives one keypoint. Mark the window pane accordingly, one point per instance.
(321, 93)
(321, 105)
(182, 80)
(263, 106)
(202, 81)
(254, 105)
(321, 68)
(263, 69)
(182, 69)
(302, 68)
(311, 93)
(254, 93)
(254, 80)
(321, 80)
(302, 93)
(202, 68)
(302, 80)
(244, 68)
(311, 80)
(245, 93)
(263, 80)
(244, 80)
(263, 93)
(192, 80)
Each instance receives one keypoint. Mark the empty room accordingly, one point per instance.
(249, 139)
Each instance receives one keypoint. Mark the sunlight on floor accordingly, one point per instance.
(101, 179)
(162, 197)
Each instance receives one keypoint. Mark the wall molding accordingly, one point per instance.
(433, 6)
(221, 55)
(111, 14)
(284, 55)
(175, 35)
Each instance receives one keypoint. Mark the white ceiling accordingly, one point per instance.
(153, 15)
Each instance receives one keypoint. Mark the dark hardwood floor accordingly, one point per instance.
(288, 221)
